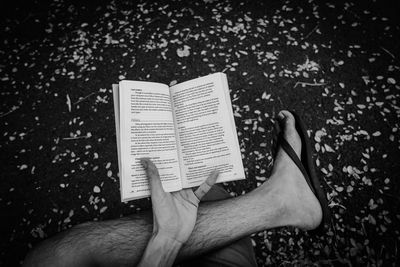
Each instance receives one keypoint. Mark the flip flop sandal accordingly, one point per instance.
(307, 168)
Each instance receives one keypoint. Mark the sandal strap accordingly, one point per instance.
(292, 154)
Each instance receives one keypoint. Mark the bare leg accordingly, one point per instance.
(284, 200)
(237, 253)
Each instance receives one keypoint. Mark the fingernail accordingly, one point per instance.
(144, 163)
(215, 172)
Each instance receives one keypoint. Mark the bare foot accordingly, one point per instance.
(301, 207)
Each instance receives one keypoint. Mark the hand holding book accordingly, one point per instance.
(174, 213)
(174, 217)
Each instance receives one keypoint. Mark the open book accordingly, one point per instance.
(187, 130)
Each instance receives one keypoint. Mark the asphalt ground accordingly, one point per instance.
(336, 63)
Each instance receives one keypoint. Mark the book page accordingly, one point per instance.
(207, 137)
(146, 130)
(115, 88)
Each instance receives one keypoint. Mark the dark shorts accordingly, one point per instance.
(239, 253)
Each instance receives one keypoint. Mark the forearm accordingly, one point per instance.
(160, 251)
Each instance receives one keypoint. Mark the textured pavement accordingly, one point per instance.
(335, 63)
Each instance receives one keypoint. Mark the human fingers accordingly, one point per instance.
(206, 185)
(153, 176)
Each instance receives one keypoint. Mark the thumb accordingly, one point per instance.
(156, 188)
(206, 185)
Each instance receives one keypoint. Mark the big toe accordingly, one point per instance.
(287, 123)
(286, 120)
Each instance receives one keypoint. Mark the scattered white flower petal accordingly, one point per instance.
(96, 189)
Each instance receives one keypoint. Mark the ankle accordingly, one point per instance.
(276, 195)
(292, 206)
(303, 210)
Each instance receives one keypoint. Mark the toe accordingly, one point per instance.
(287, 121)
(288, 124)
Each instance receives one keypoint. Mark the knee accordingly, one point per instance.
(64, 249)
(42, 254)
